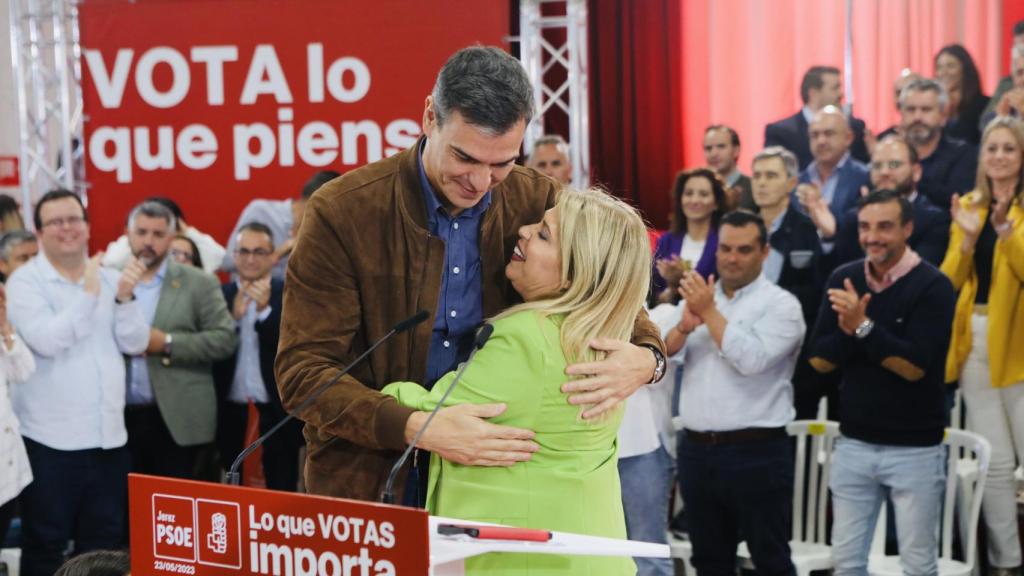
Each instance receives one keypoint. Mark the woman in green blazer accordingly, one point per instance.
(583, 272)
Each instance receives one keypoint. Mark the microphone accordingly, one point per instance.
(388, 497)
(233, 477)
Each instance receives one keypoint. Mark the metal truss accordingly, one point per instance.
(45, 51)
(540, 56)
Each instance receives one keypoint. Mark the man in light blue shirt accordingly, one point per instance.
(78, 320)
(739, 339)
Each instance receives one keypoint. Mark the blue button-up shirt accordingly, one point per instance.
(147, 294)
(460, 305)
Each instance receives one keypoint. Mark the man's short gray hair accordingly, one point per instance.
(152, 209)
(788, 159)
(13, 239)
(925, 85)
(555, 140)
(487, 86)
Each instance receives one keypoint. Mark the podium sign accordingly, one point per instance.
(199, 528)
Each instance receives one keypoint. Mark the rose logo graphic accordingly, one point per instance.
(217, 539)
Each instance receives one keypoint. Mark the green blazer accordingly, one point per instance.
(192, 310)
(570, 485)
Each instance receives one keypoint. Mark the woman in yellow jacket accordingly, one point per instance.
(985, 261)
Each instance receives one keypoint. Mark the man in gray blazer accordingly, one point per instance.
(171, 407)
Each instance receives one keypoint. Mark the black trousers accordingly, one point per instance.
(280, 451)
(152, 448)
(741, 488)
(76, 495)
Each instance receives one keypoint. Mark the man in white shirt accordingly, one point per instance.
(739, 339)
(78, 320)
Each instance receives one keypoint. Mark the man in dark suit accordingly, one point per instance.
(721, 151)
(948, 165)
(795, 258)
(248, 376)
(834, 176)
(820, 87)
(895, 166)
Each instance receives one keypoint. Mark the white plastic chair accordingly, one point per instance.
(957, 440)
(808, 550)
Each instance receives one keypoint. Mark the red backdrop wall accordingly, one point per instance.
(270, 91)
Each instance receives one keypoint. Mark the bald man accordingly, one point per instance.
(833, 175)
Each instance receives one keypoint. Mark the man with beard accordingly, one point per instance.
(948, 165)
(885, 326)
(171, 406)
(895, 166)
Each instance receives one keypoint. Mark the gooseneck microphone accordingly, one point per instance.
(233, 475)
(388, 497)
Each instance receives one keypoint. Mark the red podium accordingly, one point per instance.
(198, 528)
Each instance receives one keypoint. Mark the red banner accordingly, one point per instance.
(216, 102)
(198, 528)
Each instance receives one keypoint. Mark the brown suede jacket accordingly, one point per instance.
(364, 261)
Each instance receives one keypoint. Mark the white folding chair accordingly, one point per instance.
(813, 460)
(957, 440)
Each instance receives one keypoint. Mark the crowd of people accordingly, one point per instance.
(876, 272)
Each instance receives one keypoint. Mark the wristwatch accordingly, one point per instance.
(168, 341)
(659, 363)
(862, 331)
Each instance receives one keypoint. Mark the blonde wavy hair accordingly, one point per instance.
(983, 184)
(606, 268)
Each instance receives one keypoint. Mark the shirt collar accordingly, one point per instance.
(49, 271)
(434, 206)
(907, 262)
(752, 287)
(812, 168)
(161, 272)
(733, 177)
(808, 114)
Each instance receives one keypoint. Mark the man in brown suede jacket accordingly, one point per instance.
(431, 228)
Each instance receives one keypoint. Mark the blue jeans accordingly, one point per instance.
(732, 489)
(646, 483)
(862, 475)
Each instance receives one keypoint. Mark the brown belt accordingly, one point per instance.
(734, 436)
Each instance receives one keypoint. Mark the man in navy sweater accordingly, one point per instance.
(885, 324)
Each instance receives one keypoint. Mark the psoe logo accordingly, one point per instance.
(174, 528)
(219, 533)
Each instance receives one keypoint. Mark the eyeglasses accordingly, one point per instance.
(891, 165)
(181, 256)
(70, 222)
(246, 253)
